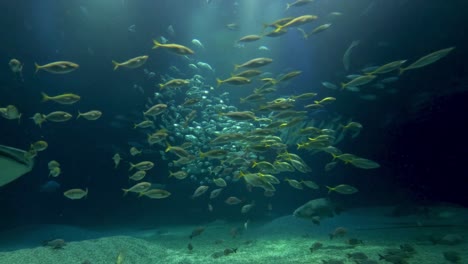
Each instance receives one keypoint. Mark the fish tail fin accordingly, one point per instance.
(86, 193)
(330, 189)
(236, 67)
(140, 194)
(201, 154)
(131, 166)
(116, 65)
(168, 147)
(79, 114)
(288, 6)
(219, 82)
(45, 97)
(401, 71)
(37, 67)
(242, 100)
(161, 86)
(278, 28)
(170, 174)
(156, 44)
(125, 191)
(135, 127)
(343, 85)
(254, 164)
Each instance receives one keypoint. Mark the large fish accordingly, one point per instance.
(316, 210)
(13, 164)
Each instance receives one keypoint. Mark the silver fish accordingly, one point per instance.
(346, 56)
(428, 59)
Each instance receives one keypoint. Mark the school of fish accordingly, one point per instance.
(209, 140)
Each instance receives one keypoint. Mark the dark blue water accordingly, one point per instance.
(417, 134)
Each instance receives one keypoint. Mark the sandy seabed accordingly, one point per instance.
(283, 240)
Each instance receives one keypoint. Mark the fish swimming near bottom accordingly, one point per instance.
(13, 164)
(120, 258)
(315, 210)
(55, 243)
(197, 231)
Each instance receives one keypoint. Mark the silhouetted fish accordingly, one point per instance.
(13, 164)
